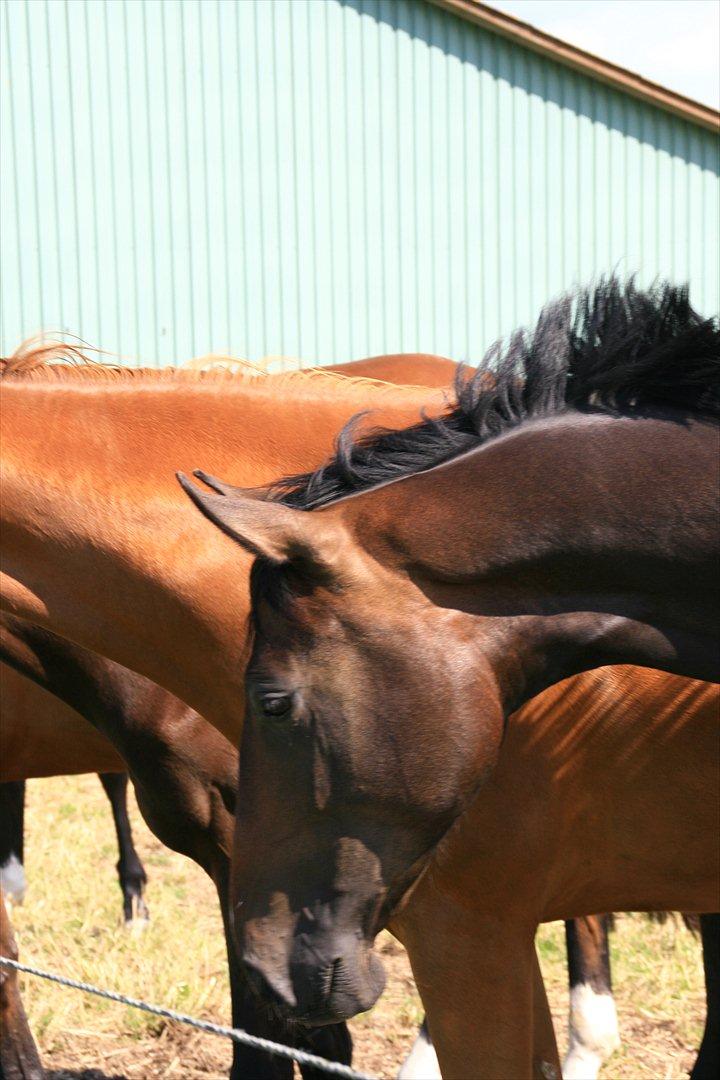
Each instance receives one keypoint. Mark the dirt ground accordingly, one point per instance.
(70, 923)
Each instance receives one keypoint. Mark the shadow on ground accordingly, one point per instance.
(82, 1074)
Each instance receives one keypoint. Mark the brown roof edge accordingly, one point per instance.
(594, 66)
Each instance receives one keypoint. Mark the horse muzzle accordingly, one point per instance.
(326, 981)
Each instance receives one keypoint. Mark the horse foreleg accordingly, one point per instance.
(593, 1025)
(707, 1065)
(19, 1058)
(12, 812)
(479, 978)
(545, 1062)
(131, 872)
(422, 1063)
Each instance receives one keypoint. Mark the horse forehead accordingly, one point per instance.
(363, 613)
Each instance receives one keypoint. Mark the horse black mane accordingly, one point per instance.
(612, 348)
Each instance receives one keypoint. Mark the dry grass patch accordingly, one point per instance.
(71, 923)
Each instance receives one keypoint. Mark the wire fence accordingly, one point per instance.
(302, 1057)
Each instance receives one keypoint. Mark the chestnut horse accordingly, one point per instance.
(593, 1033)
(414, 369)
(97, 543)
(564, 519)
(183, 770)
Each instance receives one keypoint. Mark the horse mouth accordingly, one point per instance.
(319, 1008)
(340, 990)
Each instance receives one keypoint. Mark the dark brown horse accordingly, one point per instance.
(561, 518)
(184, 773)
(51, 738)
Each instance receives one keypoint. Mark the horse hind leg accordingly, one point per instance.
(12, 810)
(593, 1025)
(19, 1058)
(131, 872)
(707, 1066)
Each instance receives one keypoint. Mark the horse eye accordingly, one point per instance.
(276, 704)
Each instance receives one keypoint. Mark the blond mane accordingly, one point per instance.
(40, 360)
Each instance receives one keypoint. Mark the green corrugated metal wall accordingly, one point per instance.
(325, 179)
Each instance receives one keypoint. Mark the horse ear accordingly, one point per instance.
(218, 485)
(268, 529)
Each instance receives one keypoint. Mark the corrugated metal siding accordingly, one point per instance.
(325, 179)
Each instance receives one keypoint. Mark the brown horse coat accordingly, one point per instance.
(42, 736)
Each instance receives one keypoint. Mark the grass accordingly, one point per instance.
(71, 923)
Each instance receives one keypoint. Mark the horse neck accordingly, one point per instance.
(140, 584)
(118, 702)
(575, 542)
(142, 431)
(100, 545)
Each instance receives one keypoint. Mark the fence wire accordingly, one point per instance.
(302, 1057)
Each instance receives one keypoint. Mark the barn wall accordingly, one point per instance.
(325, 179)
